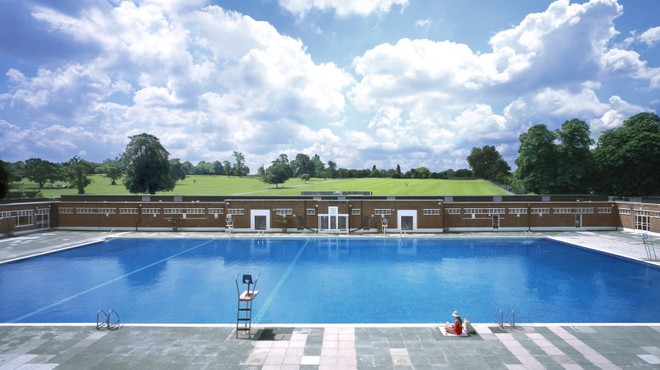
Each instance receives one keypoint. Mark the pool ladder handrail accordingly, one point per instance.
(106, 323)
(500, 318)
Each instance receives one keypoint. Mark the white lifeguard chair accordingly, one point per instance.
(230, 223)
(384, 223)
(245, 298)
(650, 248)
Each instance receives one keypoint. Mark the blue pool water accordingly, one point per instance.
(330, 280)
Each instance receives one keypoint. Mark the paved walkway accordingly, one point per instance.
(563, 346)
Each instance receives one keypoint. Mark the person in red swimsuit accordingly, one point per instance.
(457, 327)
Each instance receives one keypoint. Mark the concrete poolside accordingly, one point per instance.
(570, 346)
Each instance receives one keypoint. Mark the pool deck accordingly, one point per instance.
(528, 346)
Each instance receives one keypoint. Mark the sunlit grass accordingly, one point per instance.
(230, 185)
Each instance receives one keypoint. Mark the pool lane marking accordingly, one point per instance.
(106, 283)
(271, 296)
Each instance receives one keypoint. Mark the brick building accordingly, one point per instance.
(335, 213)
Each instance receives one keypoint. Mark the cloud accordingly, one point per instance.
(546, 69)
(208, 81)
(651, 36)
(342, 8)
(217, 80)
(424, 23)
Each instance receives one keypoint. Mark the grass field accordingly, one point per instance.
(223, 185)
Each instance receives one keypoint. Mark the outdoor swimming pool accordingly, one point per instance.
(330, 280)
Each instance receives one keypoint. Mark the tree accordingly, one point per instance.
(305, 177)
(178, 170)
(487, 163)
(537, 160)
(188, 167)
(575, 160)
(397, 172)
(41, 171)
(318, 167)
(16, 170)
(113, 171)
(147, 165)
(240, 169)
(628, 158)
(302, 164)
(228, 169)
(76, 171)
(204, 168)
(277, 174)
(218, 168)
(4, 179)
(331, 172)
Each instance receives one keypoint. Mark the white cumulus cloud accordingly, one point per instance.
(341, 7)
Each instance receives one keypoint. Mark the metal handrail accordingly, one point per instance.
(101, 325)
(105, 324)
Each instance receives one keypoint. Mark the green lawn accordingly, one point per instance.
(223, 185)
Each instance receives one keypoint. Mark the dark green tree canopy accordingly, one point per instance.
(537, 160)
(277, 174)
(302, 164)
(628, 158)
(575, 159)
(488, 164)
(112, 170)
(4, 179)
(76, 171)
(147, 165)
(41, 171)
(240, 169)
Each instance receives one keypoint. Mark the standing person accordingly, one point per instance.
(457, 327)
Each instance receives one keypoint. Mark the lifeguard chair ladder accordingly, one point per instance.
(230, 223)
(245, 298)
(384, 223)
(650, 248)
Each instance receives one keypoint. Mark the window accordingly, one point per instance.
(284, 211)
(540, 211)
(484, 211)
(356, 212)
(66, 210)
(585, 210)
(194, 211)
(311, 211)
(563, 211)
(604, 210)
(517, 211)
(23, 218)
(432, 212)
(624, 211)
(128, 211)
(217, 211)
(173, 211)
(382, 212)
(95, 211)
(453, 211)
(236, 211)
(150, 211)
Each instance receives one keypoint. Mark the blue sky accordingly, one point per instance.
(360, 83)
